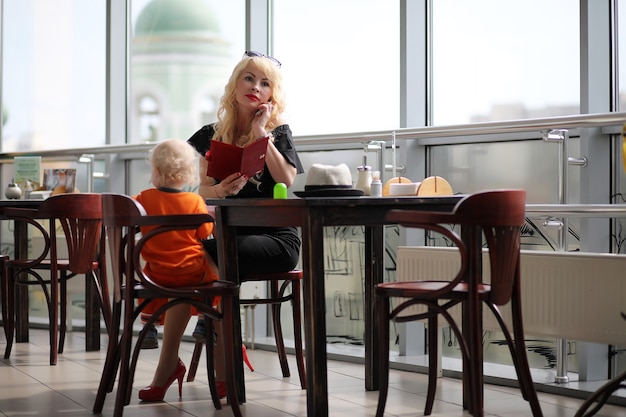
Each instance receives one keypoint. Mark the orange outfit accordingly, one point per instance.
(176, 258)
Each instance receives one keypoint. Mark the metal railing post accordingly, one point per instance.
(562, 136)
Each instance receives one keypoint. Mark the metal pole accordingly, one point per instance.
(561, 136)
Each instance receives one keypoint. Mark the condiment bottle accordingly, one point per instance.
(376, 187)
(28, 189)
(364, 179)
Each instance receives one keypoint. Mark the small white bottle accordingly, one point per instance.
(28, 189)
(376, 187)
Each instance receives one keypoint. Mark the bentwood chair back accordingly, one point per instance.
(279, 284)
(122, 216)
(498, 215)
(80, 217)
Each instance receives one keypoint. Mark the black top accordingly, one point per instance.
(262, 184)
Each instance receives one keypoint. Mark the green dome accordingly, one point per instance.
(167, 16)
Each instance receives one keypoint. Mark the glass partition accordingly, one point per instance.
(495, 60)
(341, 64)
(182, 53)
(53, 74)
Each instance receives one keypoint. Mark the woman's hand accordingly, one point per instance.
(232, 184)
(261, 117)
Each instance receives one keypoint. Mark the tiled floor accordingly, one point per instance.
(30, 387)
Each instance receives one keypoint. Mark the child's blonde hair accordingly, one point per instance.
(174, 162)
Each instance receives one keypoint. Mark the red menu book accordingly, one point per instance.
(225, 159)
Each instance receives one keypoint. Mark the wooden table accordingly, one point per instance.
(92, 306)
(311, 215)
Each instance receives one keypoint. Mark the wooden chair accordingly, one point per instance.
(499, 215)
(598, 398)
(80, 216)
(122, 217)
(279, 283)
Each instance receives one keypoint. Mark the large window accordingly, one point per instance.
(53, 74)
(182, 53)
(501, 60)
(341, 63)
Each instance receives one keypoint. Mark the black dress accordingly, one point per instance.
(260, 249)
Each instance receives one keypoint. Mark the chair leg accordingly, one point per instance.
(104, 298)
(596, 401)
(63, 312)
(123, 386)
(8, 319)
(4, 282)
(111, 362)
(53, 314)
(210, 359)
(382, 314)
(278, 331)
(475, 359)
(523, 370)
(195, 360)
(296, 308)
(229, 354)
(433, 362)
(517, 347)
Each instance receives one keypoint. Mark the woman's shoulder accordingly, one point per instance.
(206, 130)
(202, 138)
(282, 129)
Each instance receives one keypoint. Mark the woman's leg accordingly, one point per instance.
(176, 320)
(258, 253)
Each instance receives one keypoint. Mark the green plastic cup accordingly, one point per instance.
(280, 191)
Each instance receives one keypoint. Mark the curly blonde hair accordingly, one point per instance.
(173, 162)
(227, 113)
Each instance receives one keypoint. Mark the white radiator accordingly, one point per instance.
(573, 296)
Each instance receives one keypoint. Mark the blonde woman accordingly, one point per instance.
(251, 109)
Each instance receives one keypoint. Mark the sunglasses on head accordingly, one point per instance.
(258, 54)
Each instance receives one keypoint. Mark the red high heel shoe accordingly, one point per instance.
(221, 385)
(151, 393)
(221, 389)
(244, 353)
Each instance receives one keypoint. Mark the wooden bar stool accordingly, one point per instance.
(279, 282)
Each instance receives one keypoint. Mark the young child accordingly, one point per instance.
(173, 168)
(175, 258)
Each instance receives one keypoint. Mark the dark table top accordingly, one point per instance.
(32, 204)
(346, 211)
(339, 201)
